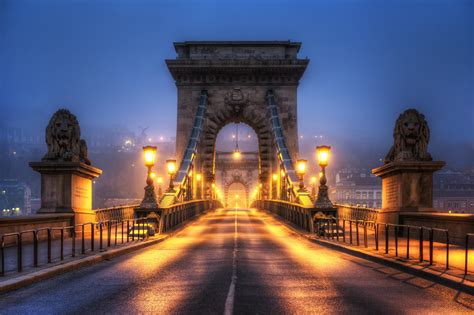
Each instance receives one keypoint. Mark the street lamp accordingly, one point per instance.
(313, 186)
(171, 167)
(159, 180)
(149, 200)
(301, 170)
(323, 159)
(200, 185)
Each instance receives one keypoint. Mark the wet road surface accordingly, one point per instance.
(239, 261)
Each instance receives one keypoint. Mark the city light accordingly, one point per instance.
(159, 180)
(153, 175)
(198, 177)
(275, 177)
(314, 179)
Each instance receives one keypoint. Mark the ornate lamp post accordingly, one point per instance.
(313, 186)
(283, 184)
(323, 158)
(171, 167)
(301, 170)
(274, 186)
(159, 180)
(149, 200)
(199, 185)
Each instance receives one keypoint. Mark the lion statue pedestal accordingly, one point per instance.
(407, 176)
(66, 173)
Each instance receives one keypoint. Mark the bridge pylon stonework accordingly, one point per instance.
(237, 77)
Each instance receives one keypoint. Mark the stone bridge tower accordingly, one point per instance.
(237, 76)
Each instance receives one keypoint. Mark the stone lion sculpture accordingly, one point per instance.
(411, 136)
(63, 137)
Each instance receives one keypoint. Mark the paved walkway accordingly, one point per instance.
(117, 238)
(236, 261)
(441, 255)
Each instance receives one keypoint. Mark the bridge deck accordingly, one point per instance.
(275, 271)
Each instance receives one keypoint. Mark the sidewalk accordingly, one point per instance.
(117, 238)
(452, 277)
(455, 259)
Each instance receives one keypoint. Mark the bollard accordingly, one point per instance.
(35, 250)
(109, 233)
(408, 242)
(49, 245)
(100, 235)
(350, 232)
(62, 244)
(121, 230)
(447, 250)
(19, 252)
(83, 241)
(128, 230)
(431, 246)
(365, 235)
(116, 227)
(73, 242)
(466, 254)
(92, 237)
(386, 238)
(395, 232)
(376, 236)
(421, 245)
(357, 232)
(344, 230)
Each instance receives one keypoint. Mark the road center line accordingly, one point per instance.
(229, 302)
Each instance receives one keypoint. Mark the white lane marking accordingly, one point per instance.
(229, 302)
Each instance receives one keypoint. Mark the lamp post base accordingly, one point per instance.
(149, 200)
(323, 199)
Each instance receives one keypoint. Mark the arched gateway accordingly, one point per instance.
(223, 82)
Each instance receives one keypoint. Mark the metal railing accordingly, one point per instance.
(125, 212)
(297, 214)
(174, 215)
(347, 212)
(107, 233)
(392, 234)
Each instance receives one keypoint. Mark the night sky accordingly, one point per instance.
(370, 60)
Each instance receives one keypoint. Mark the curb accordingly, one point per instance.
(50, 272)
(453, 282)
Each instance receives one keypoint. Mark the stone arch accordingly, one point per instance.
(237, 180)
(255, 115)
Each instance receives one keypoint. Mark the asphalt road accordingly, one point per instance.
(236, 261)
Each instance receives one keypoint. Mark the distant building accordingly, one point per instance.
(15, 198)
(356, 187)
(454, 191)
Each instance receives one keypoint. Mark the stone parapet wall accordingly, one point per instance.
(33, 222)
(458, 225)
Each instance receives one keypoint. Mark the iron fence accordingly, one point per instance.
(389, 238)
(109, 233)
(125, 212)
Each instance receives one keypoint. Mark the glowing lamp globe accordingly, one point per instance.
(301, 167)
(275, 177)
(198, 177)
(236, 154)
(323, 154)
(171, 166)
(150, 155)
